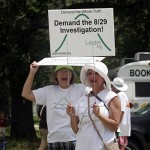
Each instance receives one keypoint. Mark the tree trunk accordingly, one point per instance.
(22, 123)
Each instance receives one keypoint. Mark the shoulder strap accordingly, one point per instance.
(99, 99)
(92, 119)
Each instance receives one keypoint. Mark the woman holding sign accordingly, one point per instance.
(96, 116)
(56, 98)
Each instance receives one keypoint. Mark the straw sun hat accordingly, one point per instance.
(119, 84)
(98, 67)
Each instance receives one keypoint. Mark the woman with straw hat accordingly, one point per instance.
(119, 87)
(96, 114)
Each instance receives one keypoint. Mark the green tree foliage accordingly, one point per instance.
(24, 37)
(132, 23)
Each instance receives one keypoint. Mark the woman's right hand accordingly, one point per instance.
(70, 110)
(34, 67)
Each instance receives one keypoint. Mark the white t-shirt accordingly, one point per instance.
(87, 138)
(125, 124)
(56, 100)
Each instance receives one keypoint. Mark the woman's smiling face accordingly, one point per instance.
(94, 78)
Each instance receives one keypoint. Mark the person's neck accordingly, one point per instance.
(97, 90)
(64, 87)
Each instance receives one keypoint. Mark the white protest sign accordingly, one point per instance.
(72, 61)
(81, 32)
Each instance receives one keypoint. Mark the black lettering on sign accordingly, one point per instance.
(138, 73)
(132, 73)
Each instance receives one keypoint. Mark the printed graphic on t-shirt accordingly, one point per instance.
(83, 112)
(84, 115)
(61, 104)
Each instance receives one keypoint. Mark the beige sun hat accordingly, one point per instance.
(119, 84)
(98, 67)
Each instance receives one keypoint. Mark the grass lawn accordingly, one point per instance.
(22, 145)
(13, 144)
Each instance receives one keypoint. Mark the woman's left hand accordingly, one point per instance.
(96, 109)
